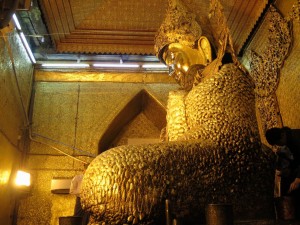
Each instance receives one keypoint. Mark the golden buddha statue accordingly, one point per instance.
(212, 152)
(180, 46)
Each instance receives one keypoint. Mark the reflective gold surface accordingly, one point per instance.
(212, 156)
(143, 108)
(180, 46)
(187, 62)
(100, 104)
(77, 114)
(12, 119)
(214, 151)
(129, 77)
(273, 68)
(288, 93)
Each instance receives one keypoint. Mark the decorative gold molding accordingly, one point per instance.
(269, 111)
(129, 77)
(265, 69)
(107, 48)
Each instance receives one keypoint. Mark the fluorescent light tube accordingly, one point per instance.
(157, 65)
(116, 65)
(66, 65)
(27, 47)
(16, 22)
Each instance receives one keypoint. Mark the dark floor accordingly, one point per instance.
(268, 222)
(254, 222)
(250, 222)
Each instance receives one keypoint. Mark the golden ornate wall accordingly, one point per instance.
(12, 119)
(75, 115)
(288, 93)
(277, 78)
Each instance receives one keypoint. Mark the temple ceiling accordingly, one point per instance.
(124, 27)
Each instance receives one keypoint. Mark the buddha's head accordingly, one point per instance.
(180, 46)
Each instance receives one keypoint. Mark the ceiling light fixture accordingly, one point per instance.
(25, 43)
(18, 26)
(154, 65)
(27, 47)
(65, 65)
(116, 65)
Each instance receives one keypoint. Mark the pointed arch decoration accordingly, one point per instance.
(144, 102)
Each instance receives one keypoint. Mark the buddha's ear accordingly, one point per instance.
(204, 46)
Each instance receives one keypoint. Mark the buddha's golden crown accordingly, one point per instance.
(179, 26)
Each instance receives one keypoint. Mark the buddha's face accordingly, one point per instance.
(182, 60)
